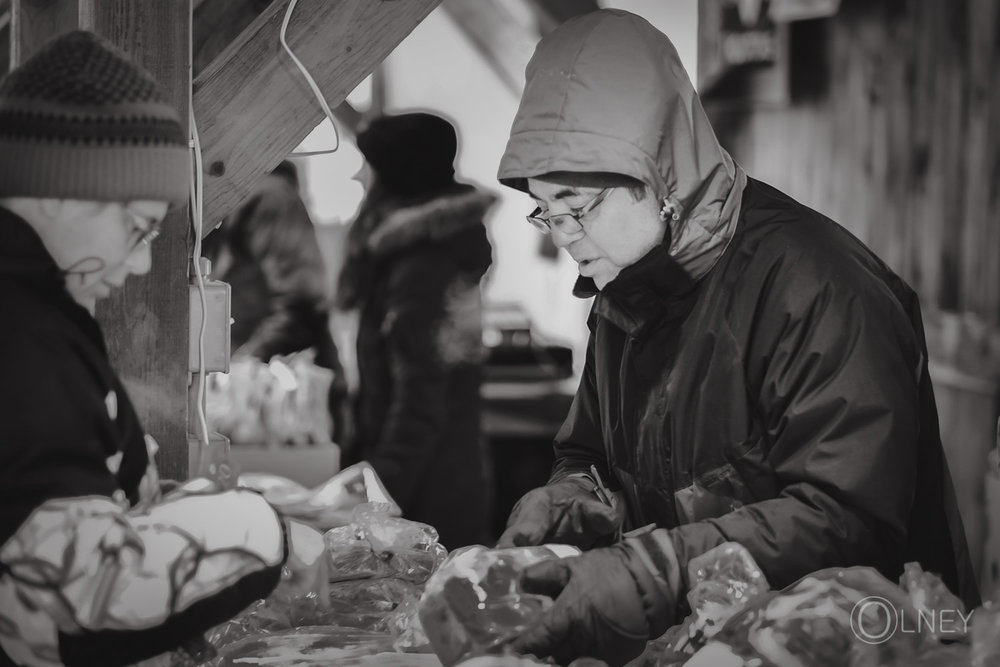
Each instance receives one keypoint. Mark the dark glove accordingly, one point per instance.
(565, 512)
(609, 601)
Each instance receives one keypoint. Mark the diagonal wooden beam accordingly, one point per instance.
(216, 24)
(253, 106)
(553, 12)
(502, 41)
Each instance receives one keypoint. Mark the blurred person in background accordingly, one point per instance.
(416, 254)
(267, 251)
(96, 567)
(754, 374)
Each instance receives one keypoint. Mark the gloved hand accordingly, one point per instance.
(566, 512)
(608, 602)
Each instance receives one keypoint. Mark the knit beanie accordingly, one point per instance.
(411, 153)
(78, 120)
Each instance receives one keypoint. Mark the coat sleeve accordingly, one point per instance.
(579, 444)
(83, 578)
(417, 415)
(836, 369)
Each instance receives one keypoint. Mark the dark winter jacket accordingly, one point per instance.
(761, 377)
(420, 358)
(89, 555)
(782, 402)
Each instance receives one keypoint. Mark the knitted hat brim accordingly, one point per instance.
(96, 173)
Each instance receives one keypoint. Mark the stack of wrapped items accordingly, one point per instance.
(283, 401)
(473, 606)
(377, 565)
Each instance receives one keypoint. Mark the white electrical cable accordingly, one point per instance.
(197, 192)
(312, 83)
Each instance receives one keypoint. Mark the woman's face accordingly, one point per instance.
(100, 244)
(615, 233)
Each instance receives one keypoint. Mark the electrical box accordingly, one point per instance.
(217, 321)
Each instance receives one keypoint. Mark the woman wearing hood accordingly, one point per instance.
(754, 374)
(416, 254)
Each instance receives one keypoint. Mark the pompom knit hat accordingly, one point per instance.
(79, 121)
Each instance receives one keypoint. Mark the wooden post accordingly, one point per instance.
(146, 324)
(35, 22)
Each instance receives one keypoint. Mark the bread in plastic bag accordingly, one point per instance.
(473, 604)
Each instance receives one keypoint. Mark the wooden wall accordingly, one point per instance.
(893, 130)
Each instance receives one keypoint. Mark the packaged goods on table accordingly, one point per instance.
(723, 581)
(854, 617)
(328, 505)
(474, 605)
(377, 565)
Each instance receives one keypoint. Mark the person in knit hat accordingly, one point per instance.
(754, 373)
(96, 567)
(417, 251)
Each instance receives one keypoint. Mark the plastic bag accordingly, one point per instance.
(723, 580)
(853, 617)
(378, 544)
(328, 505)
(985, 636)
(304, 647)
(940, 611)
(283, 401)
(473, 603)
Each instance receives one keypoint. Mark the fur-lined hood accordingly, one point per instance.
(388, 230)
(433, 220)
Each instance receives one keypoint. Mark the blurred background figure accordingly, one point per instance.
(415, 257)
(267, 252)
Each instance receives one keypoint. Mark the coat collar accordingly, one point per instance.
(23, 255)
(431, 220)
(642, 294)
(25, 259)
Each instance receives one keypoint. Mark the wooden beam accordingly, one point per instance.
(501, 40)
(146, 323)
(551, 13)
(253, 106)
(4, 37)
(35, 22)
(216, 24)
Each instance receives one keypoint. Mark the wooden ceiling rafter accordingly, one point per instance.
(502, 41)
(252, 90)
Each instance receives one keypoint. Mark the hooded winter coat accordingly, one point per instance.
(760, 377)
(420, 355)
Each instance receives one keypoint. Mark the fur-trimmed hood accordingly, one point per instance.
(388, 230)
(433, 220)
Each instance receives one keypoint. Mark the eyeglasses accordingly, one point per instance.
(147, 228)
(567, 223)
